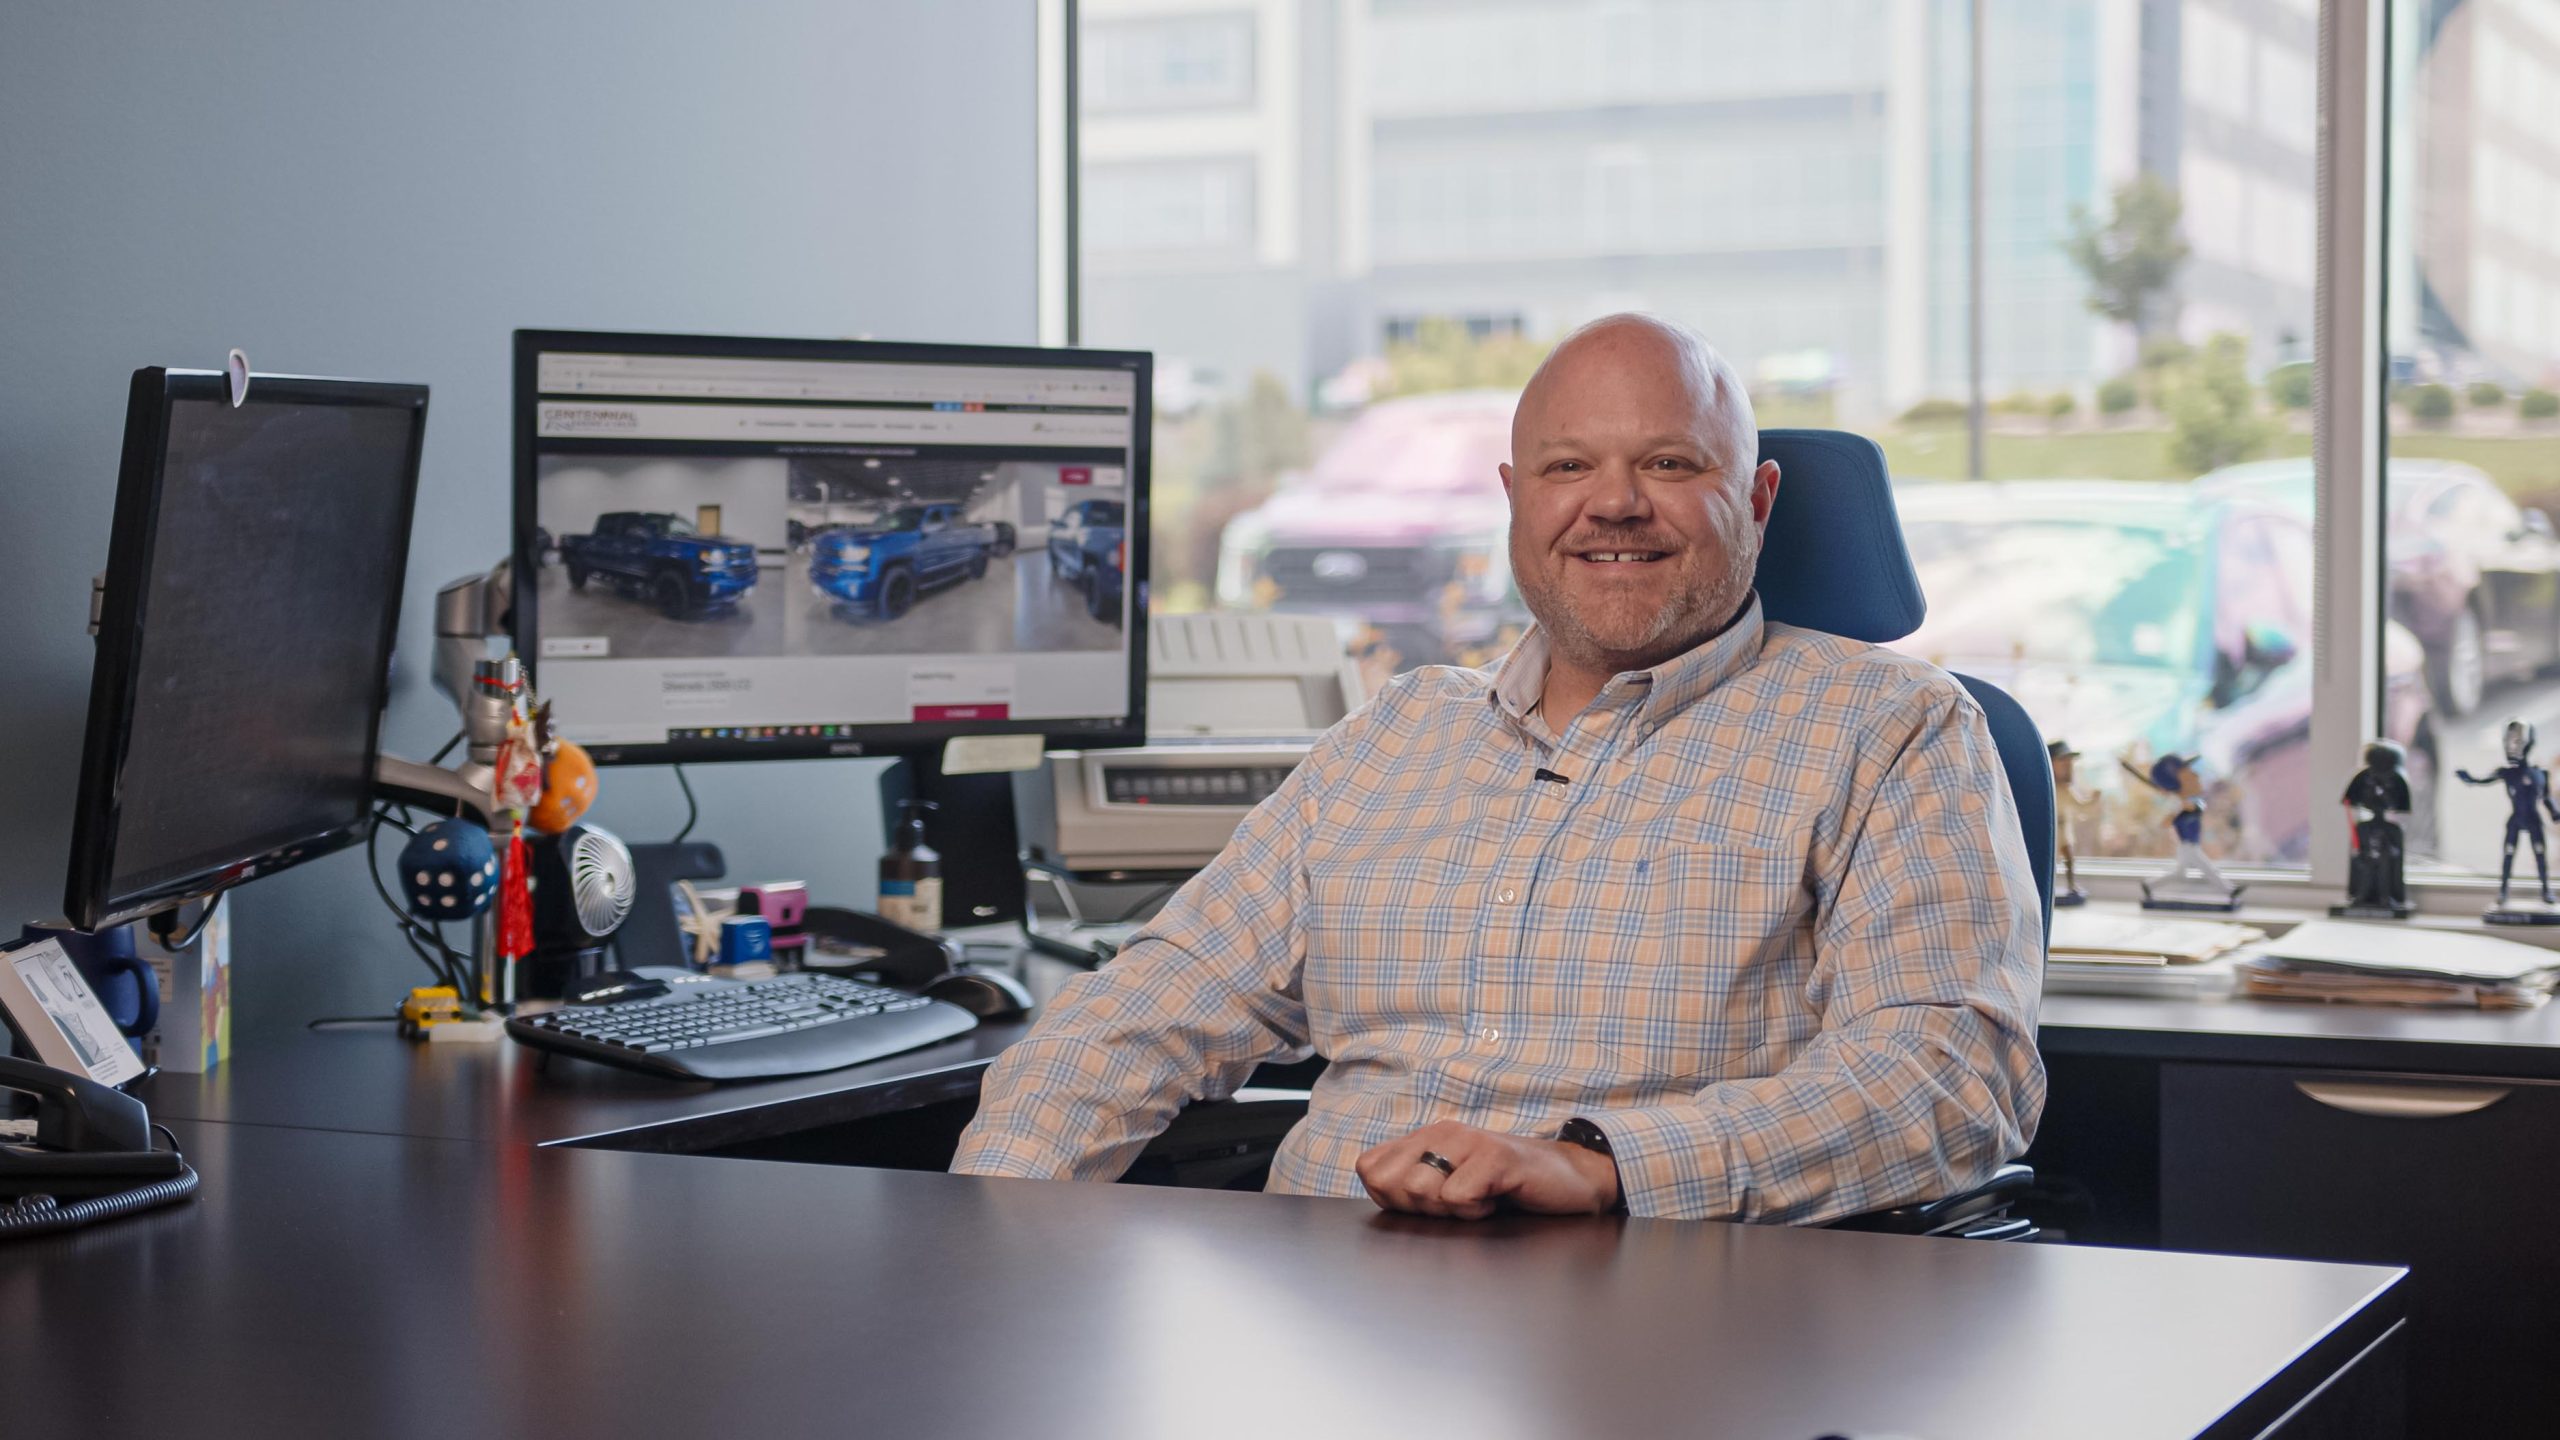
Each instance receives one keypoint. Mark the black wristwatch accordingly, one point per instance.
(1578, 1131)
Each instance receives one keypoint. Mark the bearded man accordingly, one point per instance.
(1670, 910)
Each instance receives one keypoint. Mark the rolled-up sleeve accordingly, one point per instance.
(1929, 962)
(1194, 1001)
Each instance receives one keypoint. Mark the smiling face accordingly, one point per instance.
(1636, 512)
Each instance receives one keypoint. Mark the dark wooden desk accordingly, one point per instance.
(2424, 1138)
(365, 1078)
(330, 1284)
(368, 1079)
(2522, 1043)
(2183, 1119)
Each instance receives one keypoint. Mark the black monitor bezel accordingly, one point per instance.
(88, 898)
(896, 740)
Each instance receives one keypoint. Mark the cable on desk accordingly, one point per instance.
(692, 810)
(328, 1021)
(46, 1214)
(1130, 911)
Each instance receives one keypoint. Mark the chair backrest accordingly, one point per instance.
(1833, 559)
(2030, 768)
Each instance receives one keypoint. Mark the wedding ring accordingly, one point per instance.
(1438, 1161)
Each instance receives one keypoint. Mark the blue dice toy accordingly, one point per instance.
(449, 870)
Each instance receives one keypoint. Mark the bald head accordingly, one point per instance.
(1636, 494)
(1605, 351)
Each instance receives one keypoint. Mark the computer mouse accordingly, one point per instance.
(987, 994)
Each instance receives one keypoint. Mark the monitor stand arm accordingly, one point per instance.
(468, 612)
(463, 791)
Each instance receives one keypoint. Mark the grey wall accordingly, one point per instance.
(387, 191)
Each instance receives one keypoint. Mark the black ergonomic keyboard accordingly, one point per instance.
(705, 1029)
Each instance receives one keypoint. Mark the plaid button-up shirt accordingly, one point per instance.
(1773, 930)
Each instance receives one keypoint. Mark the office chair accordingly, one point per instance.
(1832, 559)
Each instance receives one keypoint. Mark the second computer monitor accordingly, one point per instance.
(734, 549)
(245, 630)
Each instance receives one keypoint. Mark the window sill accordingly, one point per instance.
(2276, 902)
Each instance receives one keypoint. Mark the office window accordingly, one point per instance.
(1169, 205)
(1437, 191)
(2288, 107)
(2283, 231)
(2472, 479)
(1410, 329)
(2214, 51)
(1168, 62)
(2217, 209)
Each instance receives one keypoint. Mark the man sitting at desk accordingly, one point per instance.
(1669, 908)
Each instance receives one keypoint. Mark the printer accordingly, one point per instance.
(1233, 701)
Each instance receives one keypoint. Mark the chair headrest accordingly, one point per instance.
(1833, 558)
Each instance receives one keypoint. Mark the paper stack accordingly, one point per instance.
(2369, 964)
(2096, 952)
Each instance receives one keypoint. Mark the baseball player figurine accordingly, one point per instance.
(2070, 803)
(2191, 882)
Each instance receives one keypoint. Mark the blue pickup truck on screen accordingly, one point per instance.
(663, 558)
(1088, 548)
(881, 566)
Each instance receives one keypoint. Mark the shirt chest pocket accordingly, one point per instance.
(1386, 941)
(1679, 961)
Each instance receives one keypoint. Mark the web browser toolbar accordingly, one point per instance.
(722, 378)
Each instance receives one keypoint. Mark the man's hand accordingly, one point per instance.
(1547, 1177)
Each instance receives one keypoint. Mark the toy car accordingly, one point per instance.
(429, 1006)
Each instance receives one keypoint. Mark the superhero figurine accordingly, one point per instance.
(2070, 803)
(2528, 797)
(2377, 885)
(2191, 882)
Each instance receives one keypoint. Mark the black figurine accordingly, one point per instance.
(2528, 799)
(2377, 879)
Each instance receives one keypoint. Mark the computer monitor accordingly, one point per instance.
(738, 549)
(245, 627)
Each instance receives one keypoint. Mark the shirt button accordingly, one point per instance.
(1488, 1035)
(1505, 895)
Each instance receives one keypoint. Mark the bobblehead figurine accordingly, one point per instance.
(2377, 881)
(2528, 798)
(2191, 882)
(2069, 804)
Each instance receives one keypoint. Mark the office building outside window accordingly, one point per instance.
(1431, 193)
